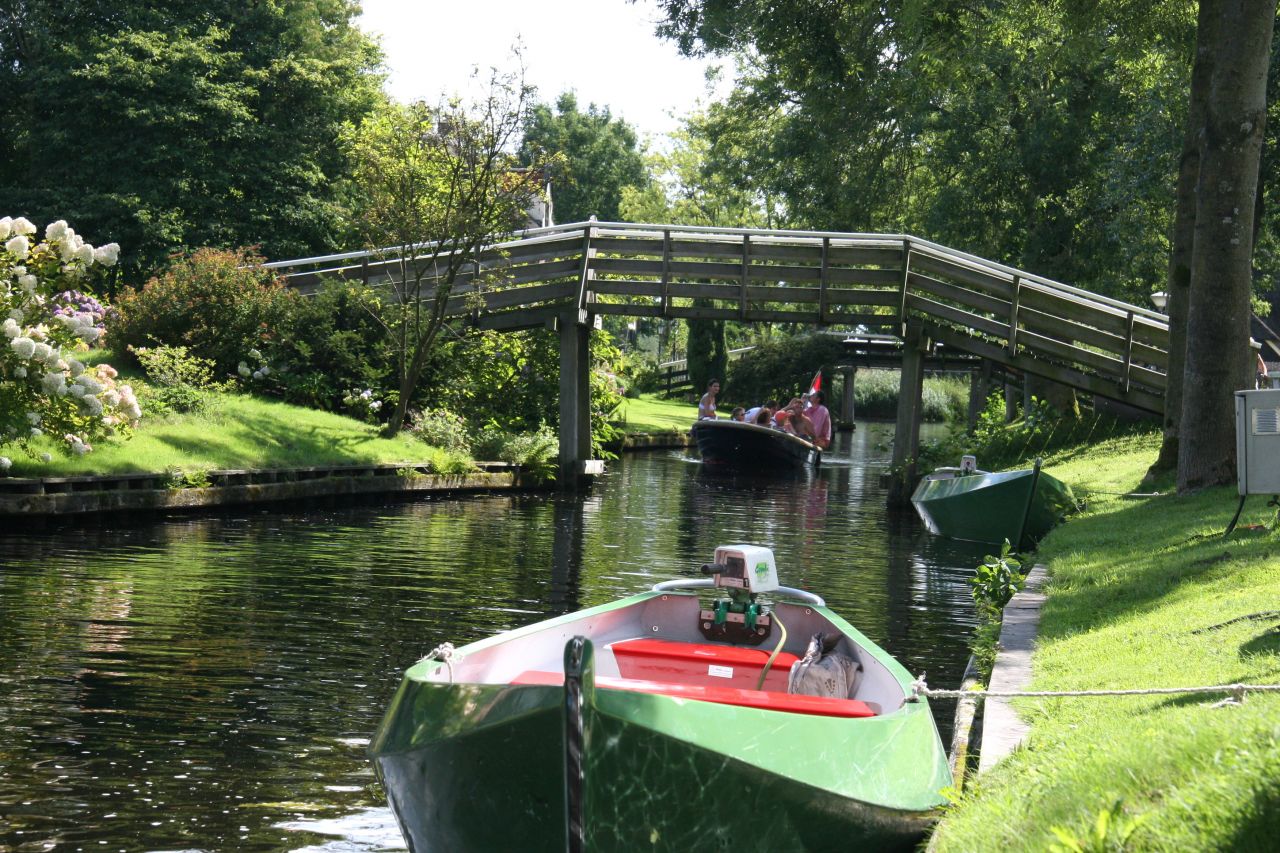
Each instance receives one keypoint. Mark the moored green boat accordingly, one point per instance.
(981, 506)
(665, 722)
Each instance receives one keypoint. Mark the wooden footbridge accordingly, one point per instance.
(565, 276)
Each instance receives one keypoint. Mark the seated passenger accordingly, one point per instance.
(764, 417)
(739, 415)
(707, 405)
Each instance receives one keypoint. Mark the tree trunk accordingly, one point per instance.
(1178, 281)
(1062, 398)
(1219, 360)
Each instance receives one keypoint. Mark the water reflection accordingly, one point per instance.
(211, 682)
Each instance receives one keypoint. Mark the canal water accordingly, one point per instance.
(210, 682)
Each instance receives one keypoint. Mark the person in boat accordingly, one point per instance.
(798, 422)
(753, 414)
(707, 405)
(764, 417)
(739, 415)
(820, 419)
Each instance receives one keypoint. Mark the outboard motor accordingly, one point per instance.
(743, 571)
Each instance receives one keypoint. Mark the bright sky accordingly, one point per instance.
(605, 50)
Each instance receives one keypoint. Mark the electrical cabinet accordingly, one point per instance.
(1258, 442)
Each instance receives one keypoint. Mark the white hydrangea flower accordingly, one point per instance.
(75, 368)
(10, 328)
(75, 390)
(24, 347)
(16, 315)
(36, 432)
(265, 370)
(243, 370)
(5, 462)
(107, 255)
(54, 383)
(89, 334)
(255, 355)
(46, 457)
(133, 410)
(111, 398)
(257, 374)
(22, 226)
(84, 254)
(28, 282)
(34, 418)
(94, 405)
(18, 246)
(6, 227)
(20, 372)
(89, 384)
(55, 230)
(43, 352)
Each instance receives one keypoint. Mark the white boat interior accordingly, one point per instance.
(535, 654)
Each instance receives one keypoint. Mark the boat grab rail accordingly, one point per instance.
(707, 583)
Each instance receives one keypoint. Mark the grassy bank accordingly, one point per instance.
(650, 413)
(236, 431)
(1137, 587)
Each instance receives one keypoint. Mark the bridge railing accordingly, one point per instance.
(868, 281)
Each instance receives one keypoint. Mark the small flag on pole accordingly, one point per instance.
(816, 385)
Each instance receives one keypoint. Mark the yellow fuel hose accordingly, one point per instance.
(782, 641)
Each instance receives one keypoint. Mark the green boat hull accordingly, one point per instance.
(482, 767)
(991, 507)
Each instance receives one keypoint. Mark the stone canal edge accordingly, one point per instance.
(1003, 730)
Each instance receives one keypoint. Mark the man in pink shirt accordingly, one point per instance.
(821, 420)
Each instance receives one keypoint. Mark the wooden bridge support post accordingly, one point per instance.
(979, 389)
(575, 401)
(906, 436)
(847, 388)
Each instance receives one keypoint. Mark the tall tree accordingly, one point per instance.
(1218, 358)
(187, 123)
(1178, 281)
(595, 156)
(436, 185)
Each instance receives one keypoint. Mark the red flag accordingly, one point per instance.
(816, 385)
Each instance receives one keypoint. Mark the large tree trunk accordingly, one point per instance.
(1219, 360)
(1178, 283)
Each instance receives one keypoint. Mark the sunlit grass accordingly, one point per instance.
(235, 431)
(647, 414)
(1135, 584)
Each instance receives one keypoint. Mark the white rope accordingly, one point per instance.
(443, 653)
(920, 688)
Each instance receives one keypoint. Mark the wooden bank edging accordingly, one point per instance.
(657, 440)
(1003, 730)
(125, 495)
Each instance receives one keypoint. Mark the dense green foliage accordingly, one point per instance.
(708, 356)
(1043, 135)
(218, 303)
(782, 369)
(184, 124)
(592, 157)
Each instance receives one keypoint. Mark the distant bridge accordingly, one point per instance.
(562, 277)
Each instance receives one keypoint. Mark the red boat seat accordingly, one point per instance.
(648, 659)
(820, 706)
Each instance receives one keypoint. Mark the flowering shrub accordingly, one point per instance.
(217, 303)
(43, 387)
(363, 404)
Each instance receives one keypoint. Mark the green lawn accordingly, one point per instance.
(1134, 586)
(236, 431)
(646, 414)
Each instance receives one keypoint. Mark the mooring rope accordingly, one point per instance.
(444, 654)
(920, 688)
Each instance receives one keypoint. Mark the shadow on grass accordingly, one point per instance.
(1158, 545)
(279, 442)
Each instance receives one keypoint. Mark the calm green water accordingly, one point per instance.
(211, 682)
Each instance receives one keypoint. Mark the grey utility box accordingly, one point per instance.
(1258, 442)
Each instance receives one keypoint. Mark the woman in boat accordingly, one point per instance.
(820, 419)
(707, 405)
(739, 415)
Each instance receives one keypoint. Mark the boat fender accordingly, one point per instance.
(824, 673)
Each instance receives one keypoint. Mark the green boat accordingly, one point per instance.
(980, 506)
(665, 721)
